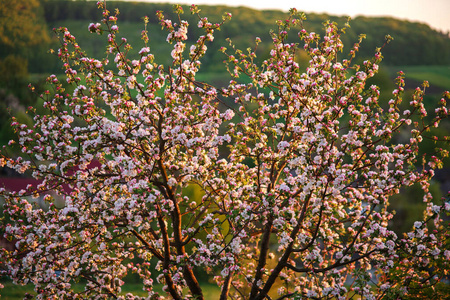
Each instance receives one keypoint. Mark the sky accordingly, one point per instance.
(435, 13)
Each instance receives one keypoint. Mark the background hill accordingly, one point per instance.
(414, 43)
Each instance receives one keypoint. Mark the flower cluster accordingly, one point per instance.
(285, 191)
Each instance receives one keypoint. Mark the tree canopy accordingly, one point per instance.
(21, 24)
(294, 170)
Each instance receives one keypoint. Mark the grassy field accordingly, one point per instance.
(15, 292)
(437, 76)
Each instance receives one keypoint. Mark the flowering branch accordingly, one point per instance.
(276, 184)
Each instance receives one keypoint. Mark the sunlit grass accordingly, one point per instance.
(16, 292)
(438, 76)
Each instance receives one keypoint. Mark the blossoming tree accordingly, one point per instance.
(295, 169)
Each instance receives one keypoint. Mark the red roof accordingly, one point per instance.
(16, 184)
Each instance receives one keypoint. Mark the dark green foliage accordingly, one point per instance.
(13, 71)
(409, 206)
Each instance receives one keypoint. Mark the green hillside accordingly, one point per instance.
(414, 43)
(437, 76)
